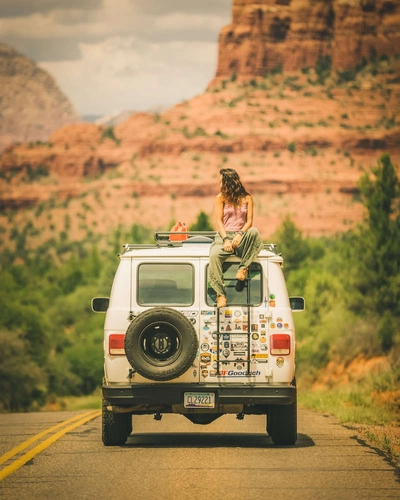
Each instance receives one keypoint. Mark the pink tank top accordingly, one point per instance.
(234, 218)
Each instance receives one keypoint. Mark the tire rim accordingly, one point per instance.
(160, 343)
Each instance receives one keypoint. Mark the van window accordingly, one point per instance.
(160, 284)
(239, 298)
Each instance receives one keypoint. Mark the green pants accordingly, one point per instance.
(250, 246)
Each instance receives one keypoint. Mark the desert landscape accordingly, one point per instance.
(300, 129)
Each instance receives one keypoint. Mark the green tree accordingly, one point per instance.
(202, 223)
(22, 381)
(292, 245)
(377, 248)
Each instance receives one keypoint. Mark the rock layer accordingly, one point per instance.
(266, 34)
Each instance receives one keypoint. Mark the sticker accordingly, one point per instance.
(262, 316)
(272, 296)
(205, 327)
(260, 356)
(254, 328)
(205, 346)
(226, 345)
(228, 328)
(228, 313)
(279, 325)
(255, 336)
(238, 313)
(272, 303)
(280, 362)
(245, 327)
(264, 347)
(239, 367)
(226, 352)
(205, 358)
(189, 314)
(272, 326)
(286, 325)
(207, 313)
(226, 337)
(263, 340)
(213, 373)
(194, 373)
(204, 373)
(279, 320)
(238, 373)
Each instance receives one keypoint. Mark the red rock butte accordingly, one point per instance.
(295, 34)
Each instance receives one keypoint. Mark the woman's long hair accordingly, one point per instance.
(232, 189)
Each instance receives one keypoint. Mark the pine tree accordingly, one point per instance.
(378, 248)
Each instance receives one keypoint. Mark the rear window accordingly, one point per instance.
(160, 284)
(252, 293)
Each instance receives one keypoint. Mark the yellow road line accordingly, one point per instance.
(31, 440)
(45, 444)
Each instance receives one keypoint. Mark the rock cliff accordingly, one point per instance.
(31, 104)
(294, 34)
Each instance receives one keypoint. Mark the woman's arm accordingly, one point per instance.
(219, 215)
(250, 211)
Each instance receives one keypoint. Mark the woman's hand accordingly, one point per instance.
(236, 240)
(228, 245)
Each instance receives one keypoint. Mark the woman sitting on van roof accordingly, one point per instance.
(236, 236)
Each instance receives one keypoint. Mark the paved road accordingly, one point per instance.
(175, 459)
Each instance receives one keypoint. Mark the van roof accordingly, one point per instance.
(197, 244)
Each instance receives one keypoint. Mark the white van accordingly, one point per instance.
(168, 349)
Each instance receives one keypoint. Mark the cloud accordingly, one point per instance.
(162, 7)
(56, 35)
(20, 8)
(121, 73)
(111, 55)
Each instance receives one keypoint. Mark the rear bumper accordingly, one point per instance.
(168, 395)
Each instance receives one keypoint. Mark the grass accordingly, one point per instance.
(75, 403)
(373, 414)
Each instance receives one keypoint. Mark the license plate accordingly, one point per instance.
(199, 400)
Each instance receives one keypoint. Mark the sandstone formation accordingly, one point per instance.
(31, 104)
(295, 34)
(300, 142)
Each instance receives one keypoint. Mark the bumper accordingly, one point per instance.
(168, 395)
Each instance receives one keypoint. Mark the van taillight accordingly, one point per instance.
(116, 344)
(280, 344)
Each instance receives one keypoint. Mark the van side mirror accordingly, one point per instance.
(100, 304)
(297, 304)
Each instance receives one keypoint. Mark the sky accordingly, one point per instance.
(109, 56)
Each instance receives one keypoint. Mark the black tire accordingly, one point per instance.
(116, 427)
(161, 344)
(282, 424)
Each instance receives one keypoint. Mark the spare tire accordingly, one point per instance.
(161, 344)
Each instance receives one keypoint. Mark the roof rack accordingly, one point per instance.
(165, 235)
(162, 239)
